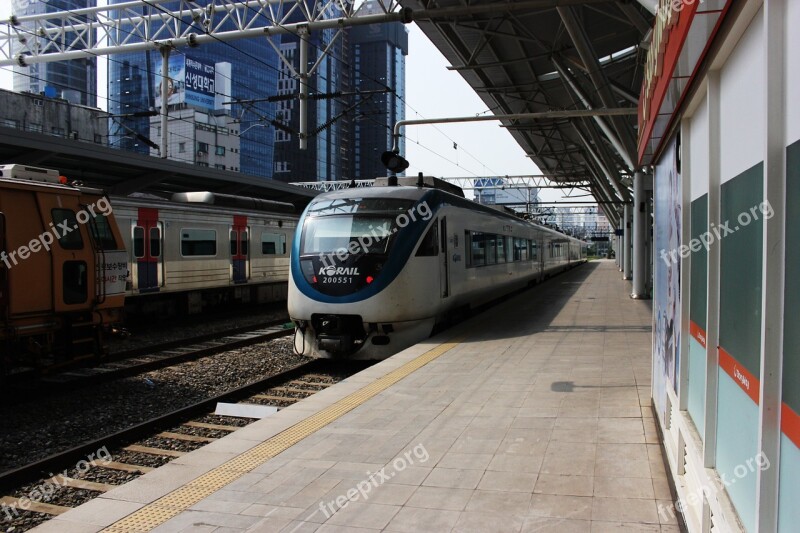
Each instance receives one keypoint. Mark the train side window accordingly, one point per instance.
(534, 252)
(138, 241)
(101, 232)
(198, 242)
(273, 244)
(430, 243)
(520, 250)
(244, 239)
(500, 243)
(76, 285)
(71, 240)
(478, 249)
(155, 242)
(491, 249)
(234, 244)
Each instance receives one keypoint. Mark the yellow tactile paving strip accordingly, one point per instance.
(179, 500)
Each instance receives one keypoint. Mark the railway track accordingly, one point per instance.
(139, 449)
(140, 360)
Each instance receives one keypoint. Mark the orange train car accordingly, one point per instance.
(63, 268)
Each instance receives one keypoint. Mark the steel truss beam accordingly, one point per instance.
(466, 183)
(146, 25)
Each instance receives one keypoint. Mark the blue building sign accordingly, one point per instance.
(190, 82)
(199, 84)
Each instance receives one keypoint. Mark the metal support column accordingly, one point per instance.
(626, 243)
(713, 90)
(303, 33)
(773, 288)
(165, 50)
(639, 236)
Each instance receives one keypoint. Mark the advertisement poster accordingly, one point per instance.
(190, 82)
(175, 83)
(667, 276)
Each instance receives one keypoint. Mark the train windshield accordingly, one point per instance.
(357, 225)
(354, 206)
(369, 234)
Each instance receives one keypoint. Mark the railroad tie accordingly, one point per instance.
(31, 505)
(135, 448)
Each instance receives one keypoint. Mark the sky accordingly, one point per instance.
(432, 91)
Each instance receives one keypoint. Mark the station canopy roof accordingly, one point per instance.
(533, 56)
(121, 172)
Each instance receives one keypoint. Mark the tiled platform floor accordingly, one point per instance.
(539, 420)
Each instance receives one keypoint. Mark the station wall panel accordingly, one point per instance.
(789, 492)
(740, 269)
(740, 338)
(698, 159)
(729, 401)
(698, 304)
(742, 126)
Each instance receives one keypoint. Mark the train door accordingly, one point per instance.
(148, 237)
(3, 271)
(240, 249)
(444, 259)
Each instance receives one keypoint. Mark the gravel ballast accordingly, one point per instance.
(39, 427)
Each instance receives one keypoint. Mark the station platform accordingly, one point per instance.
(533, 416)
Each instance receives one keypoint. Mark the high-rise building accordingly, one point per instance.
(378, 58)
(329, 136)
(74, 80)
(347, 129)
(133, 88)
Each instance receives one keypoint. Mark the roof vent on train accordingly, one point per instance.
(427, 181)
(229, 200)
(24, 172)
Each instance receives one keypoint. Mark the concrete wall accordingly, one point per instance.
(52, 116)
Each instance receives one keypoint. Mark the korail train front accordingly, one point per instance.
(355, 290)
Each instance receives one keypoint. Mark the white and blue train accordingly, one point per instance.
(374, 270)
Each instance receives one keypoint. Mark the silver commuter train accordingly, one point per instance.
(200, 249)
(374, 270)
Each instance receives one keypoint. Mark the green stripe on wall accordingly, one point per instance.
(791, 332)
(740, 268)
(699, 264)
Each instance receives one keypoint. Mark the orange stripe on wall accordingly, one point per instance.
(747, 381)
(790, 424)
(698, 333)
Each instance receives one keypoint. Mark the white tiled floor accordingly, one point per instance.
(538, 421)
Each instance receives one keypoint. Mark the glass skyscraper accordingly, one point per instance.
(132, 88)
(75, 80)
(347, 131)
(379, 54)
(328, 156)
